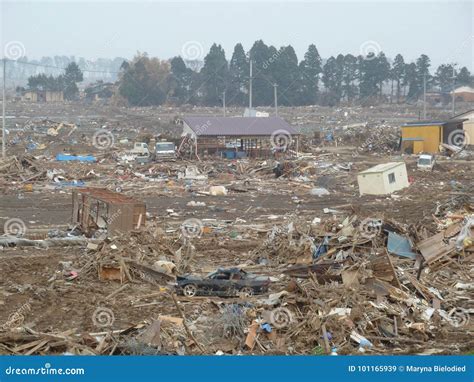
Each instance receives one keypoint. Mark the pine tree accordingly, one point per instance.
(284, 71)
(332, 79)
(444, 77)
(72, 75)
(411, 80)
(368, 79)
(263, 59)
(239, 75)
(310, 71)
(422, 73)
(382, 72)
(398, 72)
(349, 77)
(464, 77)
(179, 81)
(214, 75)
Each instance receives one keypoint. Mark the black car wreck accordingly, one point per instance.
(223, 282)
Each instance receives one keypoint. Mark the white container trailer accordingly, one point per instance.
(383, 179)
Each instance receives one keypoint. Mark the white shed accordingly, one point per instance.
(383, 179)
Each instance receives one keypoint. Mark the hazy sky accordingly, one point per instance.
(442, 29)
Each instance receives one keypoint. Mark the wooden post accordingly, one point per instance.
(326, 340)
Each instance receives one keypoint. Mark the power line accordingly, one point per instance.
(58, 67)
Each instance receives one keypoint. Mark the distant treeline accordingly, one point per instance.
(371, 78)
(67, 82)
(18, 71)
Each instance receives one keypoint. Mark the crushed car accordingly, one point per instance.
(223, 282)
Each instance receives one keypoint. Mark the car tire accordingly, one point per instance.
(246, 292)
(190, 290)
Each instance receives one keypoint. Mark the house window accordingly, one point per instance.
(391, 178)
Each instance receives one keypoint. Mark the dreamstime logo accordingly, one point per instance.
(280, 140)
(103, 139)
(202, 128)
(14, 227)
(103, 317)
(370, 49)
(192, 50)
(16, 319)
(459, 138)
(145, 277)
(192, 228)
(14, 50)
(115, 215)
(281, 317)
(459, 317)
(272, 59)
(369, 228)
(367, 144)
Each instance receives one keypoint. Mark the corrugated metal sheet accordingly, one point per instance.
(400, 245)
(238, 126)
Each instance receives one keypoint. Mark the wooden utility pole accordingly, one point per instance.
(276, 98)
(4, 101)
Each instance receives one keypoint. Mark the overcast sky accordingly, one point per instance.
(442, 29)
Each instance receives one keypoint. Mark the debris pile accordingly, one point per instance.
(279, 255)
(21, 169)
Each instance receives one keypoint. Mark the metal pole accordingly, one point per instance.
(276, 98)
(250, 87)
(424, 96)
(454, 88)
(223, 101)
(4, 101)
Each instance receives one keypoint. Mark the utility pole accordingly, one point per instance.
(223, 101)
(424, 96)
(453, 96)
(4, 101)
(250, 88)
(276, 98)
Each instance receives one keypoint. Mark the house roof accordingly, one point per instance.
(382, 167)
(107, 196)
(239, 126)
(465, 113)
(464, 89)
(433, 123)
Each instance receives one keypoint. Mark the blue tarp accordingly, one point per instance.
(329, 137)
(73, 183)
(80, 158)
(321, 249)
(399, 245)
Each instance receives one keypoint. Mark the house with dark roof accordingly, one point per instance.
(238, 137)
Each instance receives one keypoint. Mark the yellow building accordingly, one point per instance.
(427, 136)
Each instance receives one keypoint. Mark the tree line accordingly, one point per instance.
(373, 78)
(18, 71)
(66, 82)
